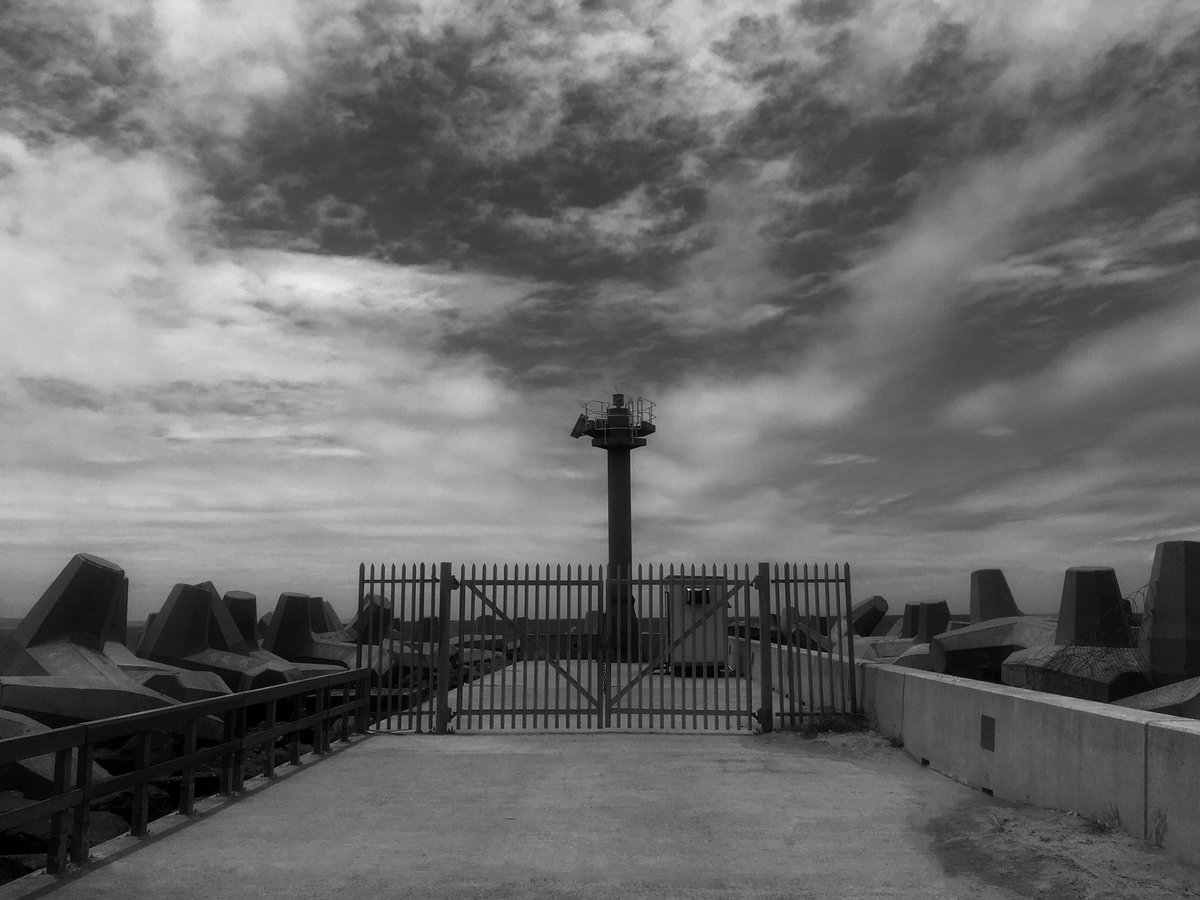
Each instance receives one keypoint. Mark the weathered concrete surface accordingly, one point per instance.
(991, 597)
(1181, 698)
(596, 815)
(979, 650)
(1103, 674)
(924, 620)
(1092, 612)
(194, 630)
(1172, 629)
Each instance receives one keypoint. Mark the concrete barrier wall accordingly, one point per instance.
(1173, 787)
(1137, 769)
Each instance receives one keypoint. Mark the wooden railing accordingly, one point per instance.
(74, 791)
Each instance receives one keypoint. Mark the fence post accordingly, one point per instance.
(445, 588)
(849, 631)
(766, 713)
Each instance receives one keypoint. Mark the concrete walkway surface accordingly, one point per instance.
(609, 815)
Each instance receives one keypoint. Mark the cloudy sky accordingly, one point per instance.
(288, 285)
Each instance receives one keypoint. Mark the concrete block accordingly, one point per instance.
(979, 650)
(1182, 698)
(991, 597)
(1103, 674)
(924, 620)
(243, 609)
(16, 660)
(1172, 786)
(866, 615)
(78, 605)
(1092, 611)
(915, 657)
(1173, 612)
(889, 648)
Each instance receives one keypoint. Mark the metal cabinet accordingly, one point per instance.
(698, 613)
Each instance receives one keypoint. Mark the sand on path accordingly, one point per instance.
(619, 815)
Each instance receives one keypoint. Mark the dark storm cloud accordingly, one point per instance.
(396, 155)
(63, 392)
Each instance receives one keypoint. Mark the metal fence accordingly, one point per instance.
(553, 647)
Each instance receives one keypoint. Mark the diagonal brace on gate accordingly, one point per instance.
(664, 653)
(544, 647)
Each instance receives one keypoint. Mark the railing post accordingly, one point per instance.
(362, 718)
(139, 816)
(56, 843)
(80, 834)
(187, 777)
(269, 748)
(766, 712)
(445, 587)
(322, 719)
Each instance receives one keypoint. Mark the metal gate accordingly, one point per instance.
(521, 647)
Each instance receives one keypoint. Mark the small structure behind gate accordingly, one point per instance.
(520, 647)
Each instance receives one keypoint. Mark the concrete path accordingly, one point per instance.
(606, 815)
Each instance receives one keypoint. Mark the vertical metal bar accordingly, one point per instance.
(672, 633)
(766, 716)
(56, 840)
(566, 656)
(813, 669)
(80, 830)
(705, 582)
(542, 630)
(445, 585)
(796, 706)
(747, 644)
(466, 693)
(657, 597)
(139, 815)
(408, 650)
(557, 639)
(722, 651)
(779, 649)
(848, 632)
(853, 669)
(595, 719)
(393, 621)
(502, 603)
(362, 574)
(637, 646)
(602, 645)
(829, 623)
